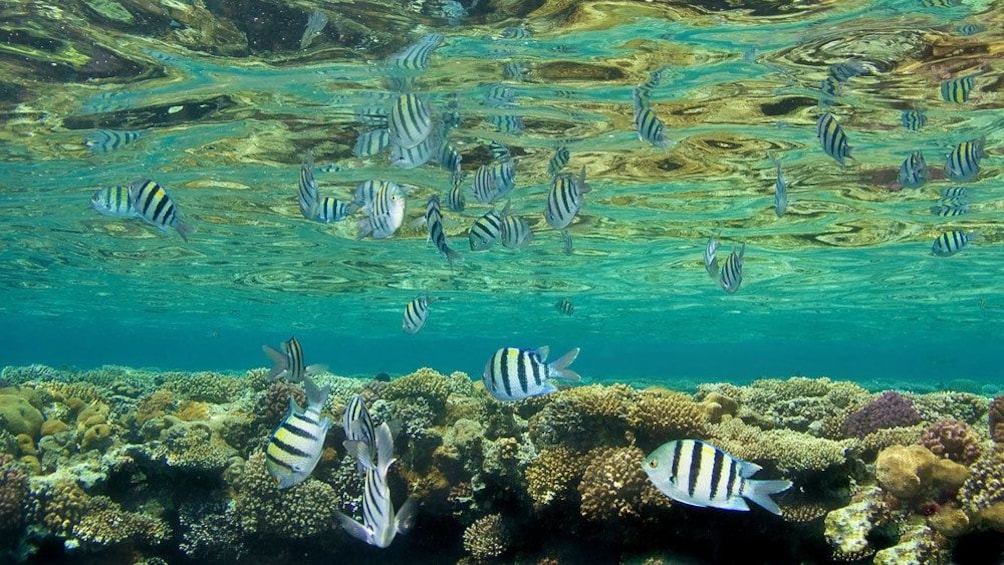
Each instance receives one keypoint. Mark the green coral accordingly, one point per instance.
(789, 451)
(18, 416)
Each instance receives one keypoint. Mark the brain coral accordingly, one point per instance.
(614, 486)
(889, 410)
(995, 418)
(487, 537)
(953, 440)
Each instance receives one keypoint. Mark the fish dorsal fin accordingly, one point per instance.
(748, 469)
(293, 407)
(315, 396)
(543, 352)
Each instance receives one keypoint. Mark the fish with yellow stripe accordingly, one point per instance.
(833, 138)
(156, 207)
(288, 363)
(699, 474)
(296, 444)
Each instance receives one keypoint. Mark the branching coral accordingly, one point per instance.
(13, 492)
(614, 486)
(985, 484)
(487, 537)
(962, 406)
(104, 523)
(952, 440)
(207, 387)
(995, 418)
(661, 415)
(553, 477)
(424, 383)
(301, 512)
(788, 451)
(889, 410)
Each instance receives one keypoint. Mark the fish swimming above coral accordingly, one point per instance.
(289, 365)
(358, 427)
(516, 374)
(296, 443)
(699, 474)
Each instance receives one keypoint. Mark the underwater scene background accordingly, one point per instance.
(845, 156)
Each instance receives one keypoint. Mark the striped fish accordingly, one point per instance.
(503, 177)
(515, 232)
(506, 123)
(957, 90)
(307, 196)
(288, 363)
(380, 522)
(416, 312)
(516, 32)
(699, 474)
(366, 191)
(410, 121)
(415, 57)
(732, 272)
(954, 192)
(499, 150)
(455, 200)
(376, 116)
(558, 161)
(970, 29)
(711, 257)
(913, 171)
(515, 70)
(485, 231)
(951, 242)
(913, 120)
(296, 443)
(371, 142)
(847, 70)
(500, 96)
(565, 306)
(948, 210)
(434, 222)
(829, 89)
(114, 201)
(641, 98)
(963, 163)
(650, 128)
(411, 157)
(515, 374)
(565, 199)
(106, 140)
(832, 138)
(154, 205)
(384, 215)
(483, 184)
(333, 210)
(358, 427)
(780, 190)
(450, 159)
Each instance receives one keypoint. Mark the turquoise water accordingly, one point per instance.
(844, 284)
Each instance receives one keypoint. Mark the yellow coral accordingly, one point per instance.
(487, 537)
(614, 486)
(424, 383)
(154, 405)
(554, 475)
(787, 450)
(905, 471)
(663, 415)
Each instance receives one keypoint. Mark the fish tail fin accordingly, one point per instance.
(452, 255)
(559, 367)
(405, 517)
(384, 449)
(185, 229)
(279, 362)
(354, 528)
(315, 396)
(759, 492)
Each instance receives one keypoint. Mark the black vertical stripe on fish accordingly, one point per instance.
(504, 371)
(292, 428)
(716, 472)
(289, 449)
(696, 453)
(277, 461)
(677, 455)
(733, 474)
(521, 370)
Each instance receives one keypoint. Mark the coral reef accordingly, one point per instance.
(995, 419)
(906, 471)
(614, 486)
(890, 410)
(789, 451)
(952, 440)
(13, 493)
(487, 537)
(847, 529)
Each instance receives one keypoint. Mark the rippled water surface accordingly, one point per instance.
(227, 103)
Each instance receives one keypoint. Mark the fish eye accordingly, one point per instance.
(653, 464)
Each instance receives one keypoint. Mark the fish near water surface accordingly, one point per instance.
(296, 444)
(515, 374)
(699, 474)
(156, 207)
(114, 201)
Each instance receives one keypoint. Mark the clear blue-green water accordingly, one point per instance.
(844, 284)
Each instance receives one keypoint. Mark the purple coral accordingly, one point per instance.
(890, 410)
(13, 487)
(996, 419)
(952, 440)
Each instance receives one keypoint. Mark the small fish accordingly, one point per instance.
(380, 522)
(296, 443)
(565, 199)
(941, 3)
(358, 426)
(565, 306)
(558, 161)
(847, 70)
(376, 116)
(485, 231)
(289, 363)
(732, 272)
(957, 90)
(970, 29)
(333, 210)
(153, 204)
(416, 312)
(829, 89)
(650, 128)
(307, 196)
(107, 140)
(450, 159)
(330, 168)
(780, 190)
(410, 121)
(516, 32)
(948, 210)
(913, 120)
(515, 374)
(434, 222)
(500, 96)
(411, 157)
(316, 21)
(366, 191)
(384, 215)
(455, 200)
(371, 142)
(515, 70)
(711, 257)
(415, 57)
(503, 177)
(515, 232)
(483, 185)
(506, 123)
(951, 242)
(963, 163)
(832, 138)
(499, 150)
(114, 201)
(913, 171)
(699, 474)
(954, 192)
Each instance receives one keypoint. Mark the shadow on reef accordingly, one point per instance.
(124, 466)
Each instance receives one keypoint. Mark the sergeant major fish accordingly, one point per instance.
(711, 257)
(516, 374)
(699, 474)
(565, 199)
(732, 273)
(565, 306)
(384, 215)
(333, 210)
(963, 163)
(289, 363)
(307, 196)
(832, 138)
(416, 312)
(913, 171)
(358, 426)
(780, 190)
(154, 205)
(107, 140)
(434, 222)
(485, 231)
(114, 201)
(951, 242)
(296, 443)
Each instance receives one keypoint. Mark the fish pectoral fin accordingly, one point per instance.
(405, 517)
(354, 528)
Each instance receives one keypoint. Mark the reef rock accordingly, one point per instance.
(905, 471)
